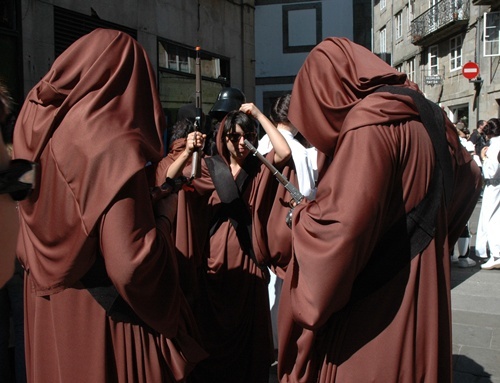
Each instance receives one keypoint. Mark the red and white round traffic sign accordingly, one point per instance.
(470, 70)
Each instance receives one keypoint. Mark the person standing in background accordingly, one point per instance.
(304, 171)
(304, 159)
(478, 138)
(487, 237)
(463, 244)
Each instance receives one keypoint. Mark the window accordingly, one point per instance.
(383, 36)
(411, 8)
(433, 61)
(183, 59)
(382, 4)
(176, 77)
(399, 68)
(410, 64)
(459, 113)
(399, 25)
(302, 27)
(456, 53)
(491, 34)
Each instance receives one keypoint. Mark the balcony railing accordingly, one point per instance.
(439, 16)
(484, 2)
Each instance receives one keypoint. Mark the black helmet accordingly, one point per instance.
(228, 99)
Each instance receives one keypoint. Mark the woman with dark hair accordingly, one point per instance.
(224, 244)
(179, 151)
(487, 238)
(302, 172)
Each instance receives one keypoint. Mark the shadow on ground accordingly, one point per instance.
(459, 275)
(465, 370)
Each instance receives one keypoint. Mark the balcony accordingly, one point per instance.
(443, 19)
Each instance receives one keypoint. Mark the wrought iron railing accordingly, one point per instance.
(438, 16)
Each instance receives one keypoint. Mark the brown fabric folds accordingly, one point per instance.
(380, 165)
(94, 125)
(85, 100)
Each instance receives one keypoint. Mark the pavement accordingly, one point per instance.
(475, 302)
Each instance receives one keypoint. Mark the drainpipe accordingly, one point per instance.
(373, 24)
(478, 82)
(242, 14)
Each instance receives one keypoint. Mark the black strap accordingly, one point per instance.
(421, 220)
(432, 118)
(223, 180)
(11, 179)
(415, 231)
(233, 207)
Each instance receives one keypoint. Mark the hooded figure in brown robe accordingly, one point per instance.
(102, 296)
(355, 307)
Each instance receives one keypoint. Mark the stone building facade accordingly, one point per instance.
(432, 40)
(34, 32)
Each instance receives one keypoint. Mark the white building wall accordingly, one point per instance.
(273, 66)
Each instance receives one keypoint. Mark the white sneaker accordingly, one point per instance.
(454, 258)
(493, 263)
(466, 262)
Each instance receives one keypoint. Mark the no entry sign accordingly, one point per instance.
(470, 70)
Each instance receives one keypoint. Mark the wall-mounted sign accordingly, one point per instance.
(470, 70)
(433, 80)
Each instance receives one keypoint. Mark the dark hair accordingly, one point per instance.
(279, 110)
(492, 127)
(242, 119)
(181, 129)
(6, 103)
(480, 123)
(7, 118)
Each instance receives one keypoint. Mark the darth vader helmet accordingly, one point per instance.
(228, 99)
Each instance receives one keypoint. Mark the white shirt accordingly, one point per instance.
(305, 160)
(471, 149)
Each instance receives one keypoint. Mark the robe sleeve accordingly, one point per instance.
(162, 169)
(334, 236)
(139, 257)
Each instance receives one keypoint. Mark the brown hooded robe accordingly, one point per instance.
(92, 124)
(335, 323)
(227, 289)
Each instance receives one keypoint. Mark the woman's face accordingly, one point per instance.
(235, 143)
